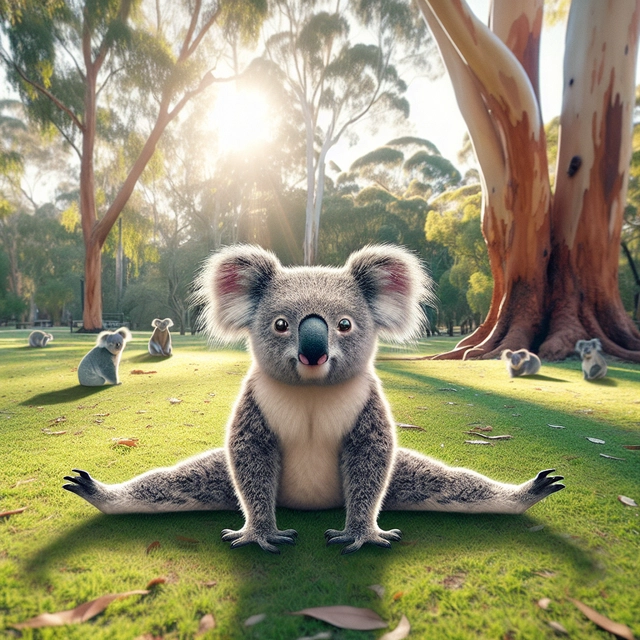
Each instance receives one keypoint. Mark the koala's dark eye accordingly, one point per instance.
(281, 325)
(344, 325)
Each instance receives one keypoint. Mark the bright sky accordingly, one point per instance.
(434, 110)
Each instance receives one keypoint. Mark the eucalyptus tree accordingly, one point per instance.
(554, 256)
(70, 60)
(335, 83)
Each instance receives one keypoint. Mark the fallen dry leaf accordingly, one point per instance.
(397, 595)
(345, 617)
(481, 435)
(538, 527)
(155, 582)
(631, 447)
(58, 420)
(323, 635)
(479, 442)
(616, 628)
(210, 583)
(545, 574)
(630, 502)
(187, 540)
(400, 632)
(404, 425)
(81, 613)
(13, 512)
(448, 389)
(378, 589)
(454, 581)
(596, 440)
(53, 433)
(127, 442)
(175, 400)
(251, 620)
(154, 545)
(604, 455)
(140, 372)
(17, 484)
(544, 603)
(207, 622)
(101, 415)
(557, 627)
(556, 426)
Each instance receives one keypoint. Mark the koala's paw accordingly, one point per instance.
(266, 538)
(88, 488)
(355, 539)
(540, 487)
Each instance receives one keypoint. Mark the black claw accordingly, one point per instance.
(83, 474)
(544, 474)
(69, 487)
(72, 479)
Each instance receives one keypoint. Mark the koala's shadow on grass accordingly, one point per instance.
(604, 382)
(309, 573)
(68, 394)
(542, 378)
(148, 358)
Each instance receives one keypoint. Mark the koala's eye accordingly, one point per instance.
(344, 325)
(281, 325)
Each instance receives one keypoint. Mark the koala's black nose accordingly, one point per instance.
(313, 340)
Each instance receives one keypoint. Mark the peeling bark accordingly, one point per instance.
(555, 265)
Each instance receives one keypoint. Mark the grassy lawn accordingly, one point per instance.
(453, 576)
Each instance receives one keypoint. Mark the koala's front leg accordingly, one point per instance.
(365, 464)
(254, 459)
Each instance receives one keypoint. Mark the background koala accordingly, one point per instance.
(100, 365)
(160, 341)
(39, 338)
(521, 362)
(594, 365)
(311, 428)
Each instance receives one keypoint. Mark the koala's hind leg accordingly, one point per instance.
(419, 483)
(201, 483)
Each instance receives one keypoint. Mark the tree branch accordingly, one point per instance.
(40, 89)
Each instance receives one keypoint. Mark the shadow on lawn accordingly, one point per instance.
(68, 394)
(308, 574)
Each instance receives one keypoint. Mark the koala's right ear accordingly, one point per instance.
(580, 346)
(230, 286)
(506, 354)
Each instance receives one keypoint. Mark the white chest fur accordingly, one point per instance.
(310, 422)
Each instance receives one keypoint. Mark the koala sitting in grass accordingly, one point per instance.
(100, 365)
(160, 340)
(39, 338)
(594, 366)
(521, 362)
(311, 428)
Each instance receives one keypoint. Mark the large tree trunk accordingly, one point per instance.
(591, 180)
(555, 269)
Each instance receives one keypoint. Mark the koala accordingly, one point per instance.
(521, 362)
(594, 365)
(311, 428)
(39, 338)
(160, 341)
(100, 365)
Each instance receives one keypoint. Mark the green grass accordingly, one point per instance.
(454, 576)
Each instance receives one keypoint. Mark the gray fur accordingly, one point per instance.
(521, 362)
(39, 338)
(160, 341)
(100, 365)
(312, 436)
(594, 365)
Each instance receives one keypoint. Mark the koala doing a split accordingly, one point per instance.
(39, 338)
(311, 428)
(160, 341)
(594, 365)
(521, 362)
(100, 365)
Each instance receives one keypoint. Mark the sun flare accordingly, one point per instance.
(241, 119)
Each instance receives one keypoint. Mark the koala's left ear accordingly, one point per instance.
(394, 285)
(230, 286)
(125, 333)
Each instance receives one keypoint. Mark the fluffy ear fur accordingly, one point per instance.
(125, 333)
(155, 323)
(168, 323)
(230, 286)
(394, 285)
